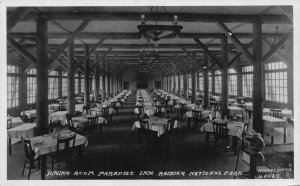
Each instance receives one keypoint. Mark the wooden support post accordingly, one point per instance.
(194, 83)
(206, 84)
(108, 82)
(79, 83)
(179, 84)
(197, 82)
(86, 78)
(59, 83)
(42, 76)
(71, 80)
(23, 85)
(103, 80)
(97, 78)
(212, 83)
(174, 83)
(185, 84)
(239, 81)
(224, 105)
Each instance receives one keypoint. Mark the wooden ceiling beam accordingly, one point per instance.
(236, 42)
(234, 59)
(211, 56)
(116, 36)
(278, 53)
(69, 40)
(277, 46)
(183, 17)
(21, 51)
(17, 15)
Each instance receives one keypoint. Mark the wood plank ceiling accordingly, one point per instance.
(112, 33)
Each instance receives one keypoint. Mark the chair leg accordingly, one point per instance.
(29, 172)
(24, 167)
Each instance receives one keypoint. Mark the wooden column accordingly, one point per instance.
(174, 83)
(194, 83)
(79, 82)
(224, 105)
(206, 84)
(239, 81)
(197, 81)
(112, 85)
(108, 82)
(71, 80)
(290, 74)
(103, 80)
(179, 86)
(86, 77)
(213, 83)
(97, 78)
(185, 84)
(23, 85)
(59, 83)
(257, 78)
(42, 76)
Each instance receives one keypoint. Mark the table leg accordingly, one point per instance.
(43, 171)
(284, 135)
(235, 142)
(9, 146)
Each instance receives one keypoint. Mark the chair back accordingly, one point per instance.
(86, 110)
(69, 120)
(144, 124)
(29, 154)
(105, 111)
(170, 125)
(277, 113)
(65, 143)
(196, 114)
(92, 121)
(220, 129)
(141, 110)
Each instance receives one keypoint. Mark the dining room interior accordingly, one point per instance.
(150, 92)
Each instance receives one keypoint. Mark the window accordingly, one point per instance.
(201, 82)
(13, 86)
(189, 82)
(232, 82)
(64, 84)
(82, 85)
(209, 82)
(276, 82)
(53, 85)
(218, 83)
(31, 86)
(247, 77)
(181, 82)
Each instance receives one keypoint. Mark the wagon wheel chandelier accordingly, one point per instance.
(155, 31)
(147, 59)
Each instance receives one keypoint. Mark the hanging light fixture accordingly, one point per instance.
(156, 32)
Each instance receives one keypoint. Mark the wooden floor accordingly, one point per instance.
(118, 150)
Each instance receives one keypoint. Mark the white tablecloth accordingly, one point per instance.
(81, 121)
(273, 122)
(25, 131)
(234, 128)
(204, 113)
(15, 121)
(54, 107)
(285, 113)
(160, 125)
(79, 107)
(233, 111)
(59, 115)
(32, 113)
(46, 144)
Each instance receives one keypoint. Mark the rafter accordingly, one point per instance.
(211, 56)
(16, 16)
(236, 42)
(21, 50)
(277, 46)
(69, 40)
(278, 53)
(234, 59)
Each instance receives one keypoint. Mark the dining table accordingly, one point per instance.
(13, 122)
(26, 130)
(46, 144)
(234, 111)
(59, 116)
(81, 121)
(160, 125)
(271, 124)
(235, 129)
(204, 113)
(32, 113)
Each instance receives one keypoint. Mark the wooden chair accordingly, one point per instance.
(158, 111)
(182, 110)
(221, 137)
(86, 110)
(106, 114)
(64, 147)
(29, 158)
(277, 113)
(70, 125)
(197, 118)
(91, 127)
(114, 106)
(141, 112)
